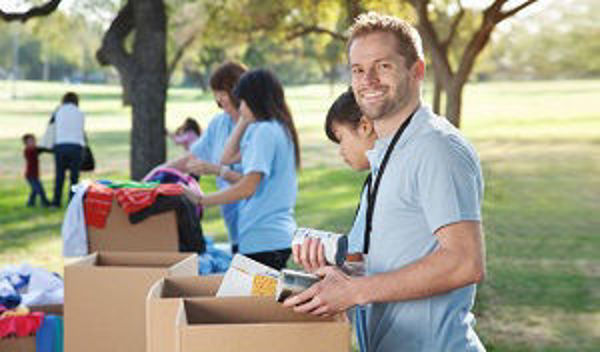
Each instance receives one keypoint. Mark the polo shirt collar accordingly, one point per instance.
(376, 154)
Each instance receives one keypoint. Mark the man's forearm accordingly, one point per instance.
(446, 269)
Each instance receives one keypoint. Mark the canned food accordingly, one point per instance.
(335, 244)
(292, 282)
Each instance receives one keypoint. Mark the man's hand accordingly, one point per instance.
(201, 167)
(310, 255)
(334, 294)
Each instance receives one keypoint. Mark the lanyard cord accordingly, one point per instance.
(372, 195)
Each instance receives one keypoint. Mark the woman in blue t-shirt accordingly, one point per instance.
(265, 141)
(207, 149)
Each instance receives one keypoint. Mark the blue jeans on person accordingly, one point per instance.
(36, 190)
(66, 157)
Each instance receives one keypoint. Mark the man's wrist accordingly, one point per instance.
(361, 290)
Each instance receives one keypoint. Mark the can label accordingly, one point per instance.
(292, 282)
(335, 244)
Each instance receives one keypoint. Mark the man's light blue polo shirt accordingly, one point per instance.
(266, 219)
(209, 147)
(433, 179)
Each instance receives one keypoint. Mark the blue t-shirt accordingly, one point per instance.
(356, 236)
(432, 179)
(266, 219)
(209, 147)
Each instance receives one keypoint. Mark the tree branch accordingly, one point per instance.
(512, 12)
(112, 51)
(36, 11)
(454, 26)
(179, 53)
(300, 30)
(431, 40)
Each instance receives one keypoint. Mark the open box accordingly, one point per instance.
(105, 297)
(157, 233)
(162, 306)
(255, 324)
(28, 343)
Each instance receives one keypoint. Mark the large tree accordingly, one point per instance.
(453, 34)
(143, 72)
(449, 77)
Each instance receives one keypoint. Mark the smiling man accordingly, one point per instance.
(423, 234)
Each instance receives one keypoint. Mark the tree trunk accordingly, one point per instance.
(148, 87)
(454, 103)
(437, 94)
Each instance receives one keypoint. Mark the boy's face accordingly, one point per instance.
(355, 142)
(30, 142)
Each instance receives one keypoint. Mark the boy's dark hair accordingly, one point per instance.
(263, 93)
(70, 97)
(27, 136)
(344, 110)
(191, 125)
(226, 77)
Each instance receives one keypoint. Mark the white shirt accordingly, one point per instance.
(69, 122)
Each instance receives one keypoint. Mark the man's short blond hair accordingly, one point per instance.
(408, 41)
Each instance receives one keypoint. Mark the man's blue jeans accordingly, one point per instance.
(66, 157)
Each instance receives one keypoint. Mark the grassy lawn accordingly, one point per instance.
(539, 144)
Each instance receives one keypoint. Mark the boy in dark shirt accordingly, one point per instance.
(32, 173)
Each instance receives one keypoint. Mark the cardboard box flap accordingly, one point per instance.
(243, 310)
(145, 259)
(184, 286)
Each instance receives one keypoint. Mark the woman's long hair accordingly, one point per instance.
(263, 93)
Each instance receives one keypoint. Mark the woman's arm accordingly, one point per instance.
(231, 153)
(243, 189)
(201, 167)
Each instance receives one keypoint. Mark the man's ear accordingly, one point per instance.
(418, 70)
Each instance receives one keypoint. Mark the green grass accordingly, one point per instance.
(539, 145)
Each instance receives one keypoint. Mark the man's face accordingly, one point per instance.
(380, 80)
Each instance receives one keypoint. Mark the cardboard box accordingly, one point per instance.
(162, 306)
(105, 297)
(157, 233)
(255, 324)
(27, 344)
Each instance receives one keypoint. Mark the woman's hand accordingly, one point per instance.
(191, 195)
(201, 167)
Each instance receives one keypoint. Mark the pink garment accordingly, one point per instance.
(22, 325)
(186, 139)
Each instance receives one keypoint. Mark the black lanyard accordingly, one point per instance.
(372, 195)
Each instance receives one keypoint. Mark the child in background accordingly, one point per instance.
(187, 133)
(32, 172)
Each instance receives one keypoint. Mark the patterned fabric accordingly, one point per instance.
(97, 205)
(133, 199)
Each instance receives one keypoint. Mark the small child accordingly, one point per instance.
(187, 133)
(32, 173)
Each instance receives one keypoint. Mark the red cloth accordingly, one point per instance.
(97, 205)
(23, 325)
(135, 199)
(32, 162)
